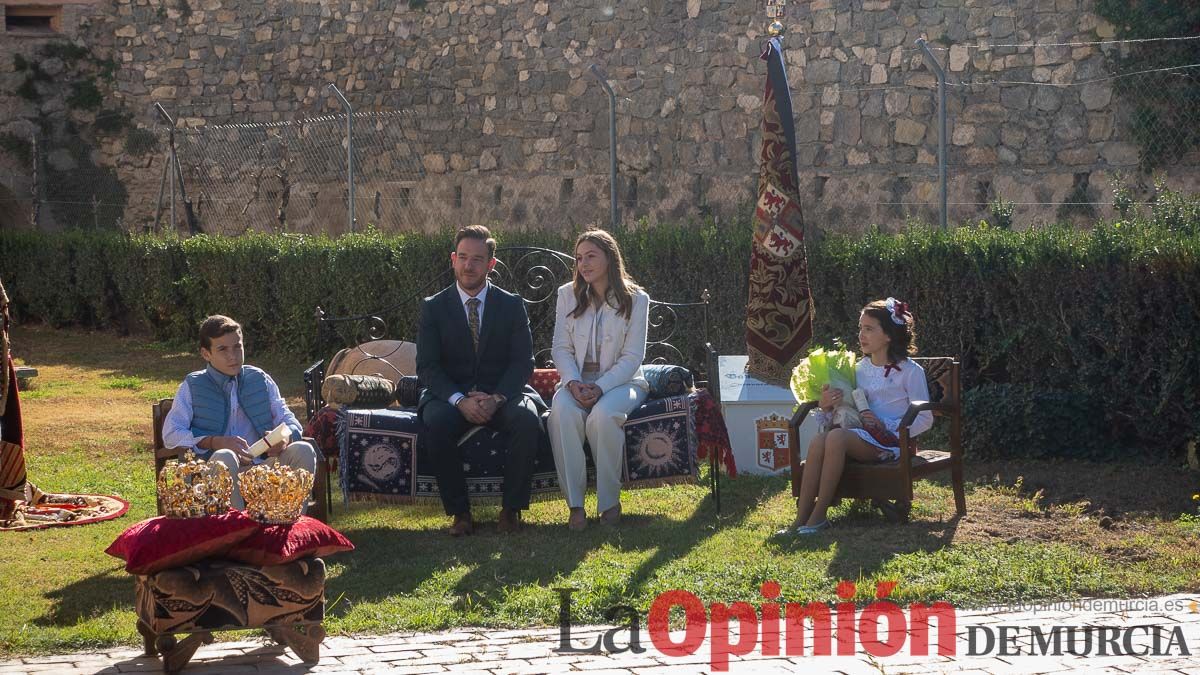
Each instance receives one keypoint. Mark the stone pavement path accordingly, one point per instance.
(501, 652)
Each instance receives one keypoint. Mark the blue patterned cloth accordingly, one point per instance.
(383, 456)
(660, 442)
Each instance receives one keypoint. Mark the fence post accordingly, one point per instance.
(177, 177)
(171, 162)
(936, 67)
(349, 148)
(36, 211)
(602, 77)
(162, 185)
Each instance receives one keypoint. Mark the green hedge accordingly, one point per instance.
(1005, 420)
(1109, 314)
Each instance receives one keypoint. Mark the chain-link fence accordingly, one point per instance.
(414, 172)
(54, 174)
(1034, 130)
(293, 176)
(1089, 118)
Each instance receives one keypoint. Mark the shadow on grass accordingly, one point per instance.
(864, 550)
(673, 540)
(863, 542)
(389, 562)
(88, 598)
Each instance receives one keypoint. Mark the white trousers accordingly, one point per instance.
(298, 455)
(569, 425)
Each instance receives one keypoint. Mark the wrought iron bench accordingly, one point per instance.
(535, 274)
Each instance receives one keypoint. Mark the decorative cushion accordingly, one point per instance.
(222, 594)
(545, 381)
(667, 380)
(408, 391)
(279, 544)
(361, 391)
(158, 543)
(389, 359)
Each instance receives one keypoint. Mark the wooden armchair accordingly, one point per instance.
(318, 506)
(890, 485)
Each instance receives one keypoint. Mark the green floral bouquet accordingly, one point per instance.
(834, 367)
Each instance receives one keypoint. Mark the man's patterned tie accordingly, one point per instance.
(473, 320)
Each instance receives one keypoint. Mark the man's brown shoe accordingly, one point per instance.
(463, 525)
(510, 520)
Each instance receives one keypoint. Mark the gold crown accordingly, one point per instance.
(274, 493)
(191, 488)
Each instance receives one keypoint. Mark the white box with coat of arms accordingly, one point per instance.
(757, 414)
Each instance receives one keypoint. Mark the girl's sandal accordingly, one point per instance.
(813, 529)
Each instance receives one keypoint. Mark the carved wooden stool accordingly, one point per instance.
(288, 601)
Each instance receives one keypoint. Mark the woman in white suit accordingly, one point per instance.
(599, 345)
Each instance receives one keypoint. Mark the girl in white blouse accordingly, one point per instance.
(890, 380)
(599, 345)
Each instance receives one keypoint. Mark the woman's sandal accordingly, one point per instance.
(578, 520)
(611, 516)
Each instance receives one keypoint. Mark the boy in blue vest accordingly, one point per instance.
(221, 410)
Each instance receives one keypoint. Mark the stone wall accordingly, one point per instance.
(501, 98)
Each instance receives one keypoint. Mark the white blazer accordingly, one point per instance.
(622, 342)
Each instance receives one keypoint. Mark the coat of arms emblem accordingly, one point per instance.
(773, 446)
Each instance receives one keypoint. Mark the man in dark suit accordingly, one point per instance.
(474, 358)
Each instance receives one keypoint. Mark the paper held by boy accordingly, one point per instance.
(280, 434)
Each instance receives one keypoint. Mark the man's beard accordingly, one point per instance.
(476, 287)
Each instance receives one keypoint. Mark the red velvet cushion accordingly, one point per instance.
(160, 543)
(544, 381)
(279, 544)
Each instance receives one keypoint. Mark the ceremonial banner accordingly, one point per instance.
(12, 453)
(779, 311)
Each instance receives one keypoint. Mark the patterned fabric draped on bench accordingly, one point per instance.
(383, 456)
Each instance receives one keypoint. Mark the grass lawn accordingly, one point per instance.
(1034, 530)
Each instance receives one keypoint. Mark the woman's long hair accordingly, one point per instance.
(621, 286)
